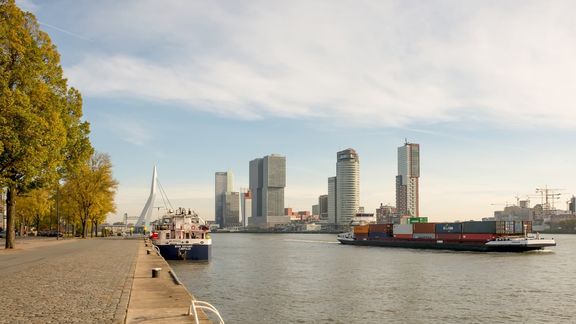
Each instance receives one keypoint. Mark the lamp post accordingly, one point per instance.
(58, 211)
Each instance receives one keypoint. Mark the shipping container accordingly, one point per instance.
(361, 229)
(380, 228)
(448, 236)
(479, 227)
(478, 237)
(379, 235)
(449, 228)
(424, 228)
(428, 236)
(415, 220)
(403, 229)
(361, 237)
(403, 236)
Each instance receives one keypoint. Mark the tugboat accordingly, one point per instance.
(182, 235)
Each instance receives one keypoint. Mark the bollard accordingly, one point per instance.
(156, 272)
(148, 251)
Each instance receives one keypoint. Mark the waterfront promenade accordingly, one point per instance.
(86, 281)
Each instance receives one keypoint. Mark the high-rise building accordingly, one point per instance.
(316, 210)
(323, 207)
(347, 186)
(245, 207)
(267, 183)
(231, 209)
(387, 215)
(332, 200)
(223, 184)
(407, 200)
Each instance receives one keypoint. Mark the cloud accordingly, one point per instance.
(366, 63)
(130, 130)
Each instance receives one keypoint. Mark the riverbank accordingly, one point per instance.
(100, 280)
(157, 300)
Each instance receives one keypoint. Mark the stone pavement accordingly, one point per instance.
(100, 280)
(160, 299)
(67, 281)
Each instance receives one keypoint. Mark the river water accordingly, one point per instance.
(310, 278)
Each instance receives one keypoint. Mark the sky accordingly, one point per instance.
(487, 88)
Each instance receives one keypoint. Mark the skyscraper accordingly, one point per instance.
(231, 209)
(223, 184)
(323, 207)
(407, 200)
(332, 200)
(267, 182)
(347, 186)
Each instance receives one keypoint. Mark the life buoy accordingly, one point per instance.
(193, 227)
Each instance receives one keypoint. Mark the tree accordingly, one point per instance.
(41, 133)
(34, 208)
(90, 190)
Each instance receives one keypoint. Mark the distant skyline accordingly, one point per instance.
(487, 88)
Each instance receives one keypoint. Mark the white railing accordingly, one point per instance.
(196, 304)
(157, 249)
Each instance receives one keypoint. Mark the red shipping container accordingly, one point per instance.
(380, 228)
(403, 236)
(448, 236)
(424, 228)
(478, 237)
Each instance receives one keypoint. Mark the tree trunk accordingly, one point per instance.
(84, 228)
(10, 214)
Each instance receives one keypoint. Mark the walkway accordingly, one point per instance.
(66, 281)
(101, 280)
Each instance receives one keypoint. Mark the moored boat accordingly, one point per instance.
(495, 236)
(182, 235)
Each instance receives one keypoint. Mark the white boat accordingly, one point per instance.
(179, 234)
(182, 235)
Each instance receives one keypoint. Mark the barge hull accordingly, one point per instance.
(193, 252)
(444, 245)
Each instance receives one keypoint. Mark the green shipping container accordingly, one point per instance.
(414, 220)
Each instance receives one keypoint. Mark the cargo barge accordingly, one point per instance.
(494, 236)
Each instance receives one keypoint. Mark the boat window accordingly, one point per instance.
(187, 235)
(167, 235)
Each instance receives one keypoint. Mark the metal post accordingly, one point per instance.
(58, 211)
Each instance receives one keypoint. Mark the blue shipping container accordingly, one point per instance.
(376, 235)
(449, 228)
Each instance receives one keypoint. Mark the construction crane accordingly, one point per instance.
(548, 196)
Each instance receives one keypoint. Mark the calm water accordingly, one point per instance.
(308, 278)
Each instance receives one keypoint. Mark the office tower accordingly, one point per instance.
(231, 209)
(323, 207)
(316, 210)
(332, 200)
(267, 182)
(223, 184)
(407, 180)
(347, 186)
(245, 207)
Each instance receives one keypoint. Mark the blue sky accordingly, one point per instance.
(486, 87)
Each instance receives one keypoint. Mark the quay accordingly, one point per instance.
(99, 280)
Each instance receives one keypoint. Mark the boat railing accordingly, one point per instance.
(202, 305)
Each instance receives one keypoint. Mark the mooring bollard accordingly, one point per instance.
(156, 272)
